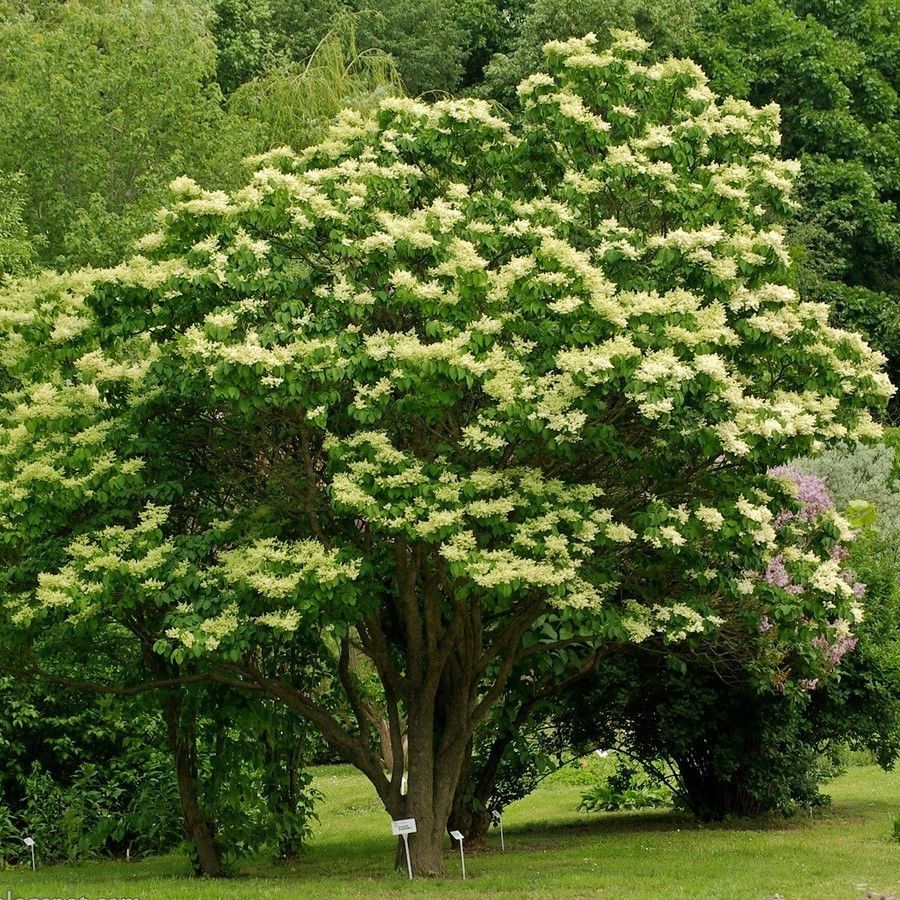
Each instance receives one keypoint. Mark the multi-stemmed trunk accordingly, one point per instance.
(476, 792)
(437, 746)
(440, 669)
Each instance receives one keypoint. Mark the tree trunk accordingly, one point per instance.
(199, 831)
(437, 740)
(469, 813)
(426, 850)
(712, 798)
(474, 824)
(452, 671)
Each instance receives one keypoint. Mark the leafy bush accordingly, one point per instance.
(627, 788)
(584, 772)
(733, 715)
(74, 821)
(11, 845)
(735, 750)
(100, 812)
(152, 823)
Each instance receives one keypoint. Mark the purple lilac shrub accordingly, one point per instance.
(815, 500)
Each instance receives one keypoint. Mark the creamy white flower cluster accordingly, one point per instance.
(505, 530)
(264, 583)
(505, 337)
(137, 561)
(674, 621)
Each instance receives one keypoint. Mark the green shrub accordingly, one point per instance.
(627, 788)
(11, 845)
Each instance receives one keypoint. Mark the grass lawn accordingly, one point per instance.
(552, 851)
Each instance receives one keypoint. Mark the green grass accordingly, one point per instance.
(552, 851)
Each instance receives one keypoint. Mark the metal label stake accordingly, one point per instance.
(404, 828)
(29, 842)
(498, 820)
(458, 836)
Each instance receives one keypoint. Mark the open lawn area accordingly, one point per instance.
(552, 851)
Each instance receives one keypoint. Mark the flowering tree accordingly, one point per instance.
(740, 718)
(444, 393)
(723, 708)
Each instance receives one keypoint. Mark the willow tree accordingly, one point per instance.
(294, 105)
(470, 389)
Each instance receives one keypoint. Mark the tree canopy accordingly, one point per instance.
(445, 392)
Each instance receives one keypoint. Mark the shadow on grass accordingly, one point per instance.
(624, 823)
(373, 857)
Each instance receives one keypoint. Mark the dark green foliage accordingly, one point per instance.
(426, 40)
(670, 24)
(832, 67)
(488, 27)
(299, 25)
(736, 748)
(626, 788)
(246, 40)
(254, 785)
(88, 777)
(83, 777)
(292, 104)
(102, 811)
(60, 731)
(17, 248)
(863, 706)
(735, 751)
(437, 47)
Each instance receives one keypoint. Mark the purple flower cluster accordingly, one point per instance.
(835, 652)
(814, 500)
(812, 493)
(777, 574)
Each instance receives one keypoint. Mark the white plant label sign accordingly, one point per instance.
(498, 820)
(29, 842)
(458, 836)
(404, 828)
